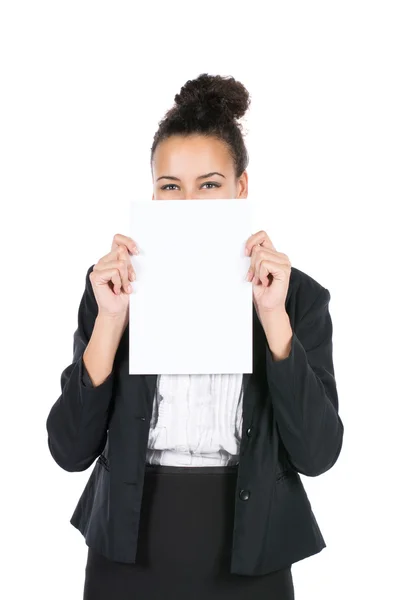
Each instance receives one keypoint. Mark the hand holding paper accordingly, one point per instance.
(110, 278)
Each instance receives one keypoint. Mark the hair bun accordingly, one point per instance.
(213, 97)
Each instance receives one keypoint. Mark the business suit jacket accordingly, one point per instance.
(291, 425)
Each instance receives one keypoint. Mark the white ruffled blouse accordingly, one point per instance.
(196, 420)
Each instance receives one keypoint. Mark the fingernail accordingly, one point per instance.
(129, 288)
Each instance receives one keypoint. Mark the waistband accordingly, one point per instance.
(204, 470)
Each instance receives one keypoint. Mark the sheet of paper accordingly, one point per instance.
(191, 307)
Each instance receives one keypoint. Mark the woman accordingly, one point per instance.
(196, 490)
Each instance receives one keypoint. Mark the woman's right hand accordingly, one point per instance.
(111, 277)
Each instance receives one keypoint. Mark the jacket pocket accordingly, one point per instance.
(293, 532)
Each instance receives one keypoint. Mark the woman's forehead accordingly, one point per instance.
(191, 156)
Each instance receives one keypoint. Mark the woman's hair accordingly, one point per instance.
(209, 105)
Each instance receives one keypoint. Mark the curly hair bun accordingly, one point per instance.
(213, 97)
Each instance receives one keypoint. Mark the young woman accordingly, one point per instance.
(196, 491)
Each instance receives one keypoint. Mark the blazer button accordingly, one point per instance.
(248, 432)
(244, 494)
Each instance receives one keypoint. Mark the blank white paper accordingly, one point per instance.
(191, 307)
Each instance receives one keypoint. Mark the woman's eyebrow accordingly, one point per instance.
(200, 176)
(210, 174)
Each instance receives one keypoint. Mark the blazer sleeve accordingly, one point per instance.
(304, 394)
(77, 423)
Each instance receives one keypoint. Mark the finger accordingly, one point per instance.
(107, 275)
(116, 280)
(264, 267)
(269, 268)
(262, 238)
(124, 259)
(266, 282)
(256, 280)
(120, 253)
(259, 253)
(250, 275)
(123, 240)
(253, 278)
(132, 274)
(110, 267)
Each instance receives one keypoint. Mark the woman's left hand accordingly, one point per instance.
(269, 272)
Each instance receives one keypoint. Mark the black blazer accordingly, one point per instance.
(290, 426)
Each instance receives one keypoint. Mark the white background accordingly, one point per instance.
(83, 86)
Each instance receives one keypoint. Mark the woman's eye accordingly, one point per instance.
(168, 185)
(212, 183)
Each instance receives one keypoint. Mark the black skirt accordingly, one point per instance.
(184, 544)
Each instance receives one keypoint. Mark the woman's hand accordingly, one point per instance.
(111, 278)
(269, 272)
